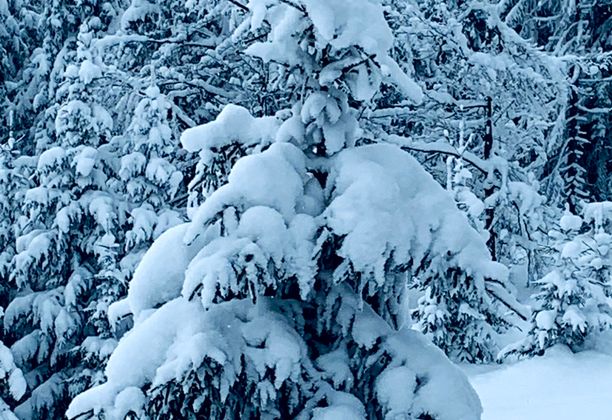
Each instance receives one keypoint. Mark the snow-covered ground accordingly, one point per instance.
(558, 386)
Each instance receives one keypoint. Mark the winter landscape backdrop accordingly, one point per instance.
(309, 209)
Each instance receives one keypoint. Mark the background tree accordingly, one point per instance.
(462, 54)
(67, 218)
(578, 32)
(574, 299)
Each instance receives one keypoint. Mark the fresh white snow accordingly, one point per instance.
(560, 385)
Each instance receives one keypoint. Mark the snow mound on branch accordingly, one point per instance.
(233, 124)
(599, 214)
(159, 277)
(51, 159)
(339, 25)
(138, 11)
(570, 222)
(11, 374)
(274, 178)
(85, 160)
(385, 201)
(89, 71)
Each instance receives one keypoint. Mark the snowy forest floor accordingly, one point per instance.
(560, 385)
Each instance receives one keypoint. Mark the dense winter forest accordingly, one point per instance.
(310, 209)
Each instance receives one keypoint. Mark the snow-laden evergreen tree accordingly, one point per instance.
(63, 233)
(456, 310)
(18, 34)
(146, 180)
(285, 296)
(7, 218)
(48, 29)
(194, 54)
(12, 382)
(150, 179)
(574, 299)
(91, 201)
(463, 310)
(15, 171)
(9, 43)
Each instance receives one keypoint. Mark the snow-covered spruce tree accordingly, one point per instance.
(7, 214)
(48, 29)
(12, 383)
(284, 297)
(461, 310)
(63, 238)
(10, 47)
(14, 38)
(146, 181)
(574, 299)
(14, 174)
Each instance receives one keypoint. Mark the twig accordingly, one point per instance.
(240, 5)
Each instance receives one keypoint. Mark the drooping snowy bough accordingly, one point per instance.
(12, 382)
(286, 295)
